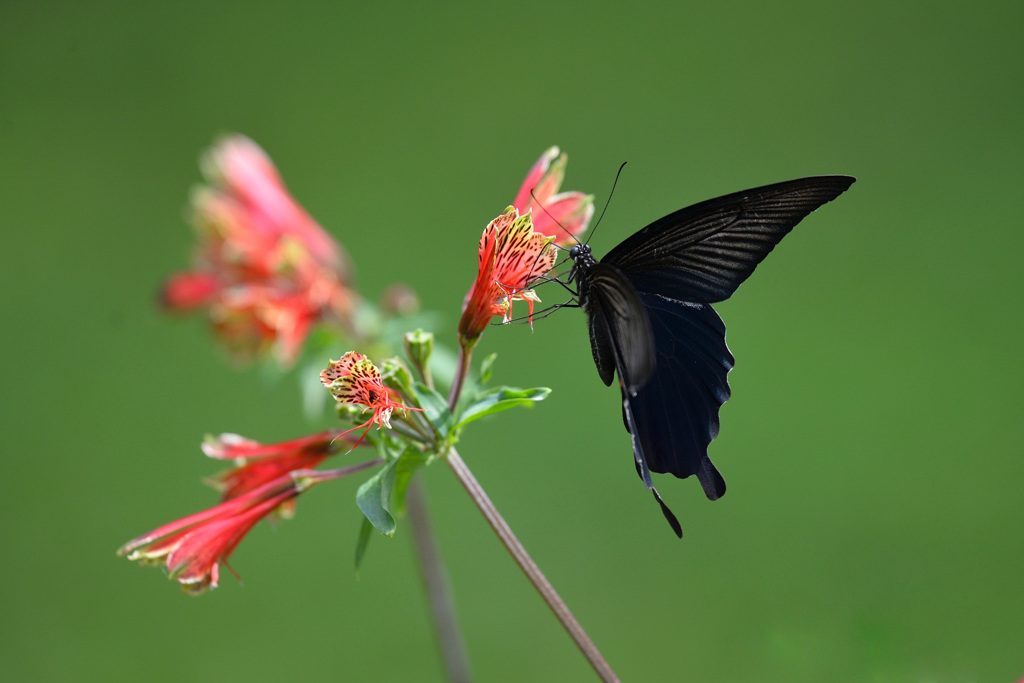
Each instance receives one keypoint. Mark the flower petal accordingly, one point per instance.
(541, 179)
(184, 291)
(564, 217)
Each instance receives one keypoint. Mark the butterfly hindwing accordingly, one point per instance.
(675, 414)
(704, 252)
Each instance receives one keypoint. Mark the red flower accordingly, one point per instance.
(511, 256)
(193, 547)
(259, 464)
(515, 248)
(354, 380)
(265, 270)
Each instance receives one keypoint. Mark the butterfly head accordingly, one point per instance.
(579, 251)
(582, 261)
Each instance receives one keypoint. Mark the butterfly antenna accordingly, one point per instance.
(553, 244)
(559, 224)
(551, 216)
(607, 201)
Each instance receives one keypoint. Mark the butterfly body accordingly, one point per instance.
(651, 323)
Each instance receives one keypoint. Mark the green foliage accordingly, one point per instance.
(435, 409)
(487, 367)
(499, 399)
(382, 497)
(374, 499)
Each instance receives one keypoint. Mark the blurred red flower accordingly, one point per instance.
(265, 271)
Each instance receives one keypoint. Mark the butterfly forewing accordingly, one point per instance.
(704, 252)
(601, 343)
(620, 331)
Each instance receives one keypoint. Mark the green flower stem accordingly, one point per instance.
(461, 372)
(438, 587)
(413, 428)
(529, 567)
(318, 476)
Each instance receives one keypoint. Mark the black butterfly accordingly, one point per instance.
(650, 319)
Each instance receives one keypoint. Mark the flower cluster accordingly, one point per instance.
(264, 271)
(267, 480)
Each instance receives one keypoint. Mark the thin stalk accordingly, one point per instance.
(437, 587)
(529, 567)
(461, 372)
(436, 583)
(318, 476)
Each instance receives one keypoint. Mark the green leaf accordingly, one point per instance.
(486, 367)
(497, 400)
(406, 466)
(374, 499)
(435, 408)
(382, 496)
(365, 533)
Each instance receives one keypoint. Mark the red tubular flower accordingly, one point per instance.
(515, 248)
(354, 380)
(193, 547)
(259, 464)
(265, 270)
(511, 256)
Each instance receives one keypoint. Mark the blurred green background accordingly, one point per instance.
(872, 530)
